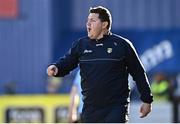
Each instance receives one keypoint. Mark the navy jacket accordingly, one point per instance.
(104, 68)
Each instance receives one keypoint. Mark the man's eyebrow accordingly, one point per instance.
(91, 18)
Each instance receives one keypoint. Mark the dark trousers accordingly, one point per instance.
(109, 114)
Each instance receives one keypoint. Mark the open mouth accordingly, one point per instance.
(89, 29)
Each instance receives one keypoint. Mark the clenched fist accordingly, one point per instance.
(145, 109)
(52, 70)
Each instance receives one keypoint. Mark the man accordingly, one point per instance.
(105, 60)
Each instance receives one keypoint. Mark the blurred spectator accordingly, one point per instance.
(160, 87)
(176, 87)
(10, 88)
(54, 84)
(76, 104)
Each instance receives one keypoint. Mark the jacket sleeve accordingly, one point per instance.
(137, 71)
(69, 61)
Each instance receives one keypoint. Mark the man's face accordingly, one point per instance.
(94, 26)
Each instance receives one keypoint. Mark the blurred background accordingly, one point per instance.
(35, 33)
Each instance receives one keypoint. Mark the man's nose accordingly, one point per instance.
(88, 23)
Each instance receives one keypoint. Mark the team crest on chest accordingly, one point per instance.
(109, 50)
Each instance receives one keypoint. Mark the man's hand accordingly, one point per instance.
(145, 109)
(52, 70)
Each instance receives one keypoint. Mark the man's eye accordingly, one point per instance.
(91, 20)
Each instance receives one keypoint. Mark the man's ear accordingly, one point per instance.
(105, 24)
